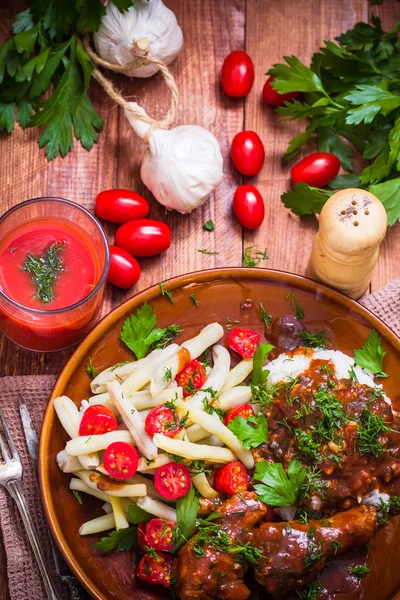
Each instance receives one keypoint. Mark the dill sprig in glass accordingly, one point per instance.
(45, 270)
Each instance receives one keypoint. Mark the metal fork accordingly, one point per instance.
(10, 479)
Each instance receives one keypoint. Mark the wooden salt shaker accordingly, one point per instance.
(352, 225)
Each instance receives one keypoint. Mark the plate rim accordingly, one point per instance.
(110, 318)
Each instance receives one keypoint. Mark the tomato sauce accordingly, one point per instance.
(81, 271)
(80, 263)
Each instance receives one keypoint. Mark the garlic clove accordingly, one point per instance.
(181, 166)
(150, 20)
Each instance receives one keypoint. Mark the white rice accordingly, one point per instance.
(290, 366)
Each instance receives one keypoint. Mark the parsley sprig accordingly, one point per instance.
(350, 94)
(139, 331)
(370, 356)
(45, 270)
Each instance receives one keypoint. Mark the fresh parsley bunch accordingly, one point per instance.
(351, 91)
(46, 55)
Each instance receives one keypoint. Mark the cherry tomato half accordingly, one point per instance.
(97, 419)
(191, 378)
(247, 152)
(248, 206)
(237, 74)
(120, 206)
(156, 534)
(244, 410)
(232, 478)
(155, 569)
(243, 341)
(121, 460)
(172, 480)
(144, 237)
(162, 420)
(124, 269)
(316, 169)
(271, 96)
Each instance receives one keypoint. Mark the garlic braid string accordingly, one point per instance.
(141, 55)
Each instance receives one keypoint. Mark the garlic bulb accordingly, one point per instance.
(182, 166)
(146, 19)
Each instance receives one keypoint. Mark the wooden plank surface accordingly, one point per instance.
(267, 29)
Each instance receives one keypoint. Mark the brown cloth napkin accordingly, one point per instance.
(385, 304)
(23, 577)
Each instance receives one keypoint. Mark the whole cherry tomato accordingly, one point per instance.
(191, 378)
(124, 269)
(120, 206)
(144, 237)
(248, 206)
(162, 419)
(243, 341)
(237, 74)
(157, 534)
(316, 169)
(155, 569)
(172, 480)
(271, 96)
(97, 419)
(232, 478)
(247, 152)
(244, 410)
(121, 460)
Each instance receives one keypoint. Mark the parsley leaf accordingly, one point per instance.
(260, 375)
(137, 515)
(139, 331)
(305, 200)
(77, 496)
(295, 305)
(186, 514)
(252, 431)
(371, 355)
(314, 339)
(208, 226)
(90, 370)
(121, 540)
(166, 293)
(264, 316)
(279, 488)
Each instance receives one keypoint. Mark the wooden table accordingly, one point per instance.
(267, 29)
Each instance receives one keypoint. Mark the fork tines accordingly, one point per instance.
(11, 446)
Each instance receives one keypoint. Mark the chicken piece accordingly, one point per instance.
(207, 573)
(294, 553)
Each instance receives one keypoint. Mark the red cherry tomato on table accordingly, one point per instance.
(144, 237)
(248, 206)
(124, 269)
(121, 460)
(156, 534)
(120, 206)
(232, 478)
(155, 569)
(243, 341)
(271, 96)
(172, 480)
(162, 420)
(247, 152)
(316, 169)
(244, 410)
(191, 378)
(96, 420)
(237, 74)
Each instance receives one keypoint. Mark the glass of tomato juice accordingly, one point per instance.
(54, 259)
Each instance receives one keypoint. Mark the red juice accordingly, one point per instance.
(59, 316)
(81, 266)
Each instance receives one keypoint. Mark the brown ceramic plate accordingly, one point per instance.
(221, 293)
